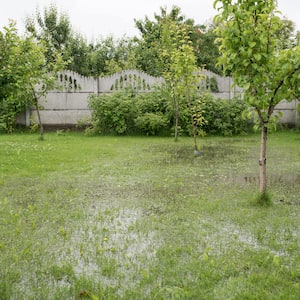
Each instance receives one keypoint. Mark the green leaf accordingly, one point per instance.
(257, 56)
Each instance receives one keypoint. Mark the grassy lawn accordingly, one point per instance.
(142, 218)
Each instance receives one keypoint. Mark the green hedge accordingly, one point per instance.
(225, 117)
(152, 113)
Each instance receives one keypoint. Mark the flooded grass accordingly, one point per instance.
(142, 218)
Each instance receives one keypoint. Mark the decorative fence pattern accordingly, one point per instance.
(69, 106)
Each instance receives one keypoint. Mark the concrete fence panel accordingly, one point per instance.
(69, 105)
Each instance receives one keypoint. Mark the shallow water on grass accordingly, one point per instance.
(243, 160)
(211, 153)
(226, 236)
(132, 213)
(110, 247)
(273, 179)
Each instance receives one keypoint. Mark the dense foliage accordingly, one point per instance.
(25, 75)
(13, 74)
(225, 117)
(124, 113)
(152, 41)
(107, 55)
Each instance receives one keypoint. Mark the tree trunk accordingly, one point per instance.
(176, 105)
(194, 129)
(40, 121)
(263, 161)
(36, 103)
(194, 135)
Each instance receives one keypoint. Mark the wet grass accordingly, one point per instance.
(142, 218)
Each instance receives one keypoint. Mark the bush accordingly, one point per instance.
(152, 113)
(151, 123)
(127, 112)
(113, 114)
(225, 117)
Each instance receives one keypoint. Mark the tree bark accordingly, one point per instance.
(263, 161)
(194, 129)
(40, 121)
(36, 103)
(176, 105)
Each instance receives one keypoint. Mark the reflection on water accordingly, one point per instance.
(224, 162)
(272, 179)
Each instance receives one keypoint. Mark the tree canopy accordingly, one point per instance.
(25, 74)
(19, 56)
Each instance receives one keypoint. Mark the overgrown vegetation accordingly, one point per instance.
(141, 218)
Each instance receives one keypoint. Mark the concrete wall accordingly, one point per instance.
(68, 106)
(289, 112)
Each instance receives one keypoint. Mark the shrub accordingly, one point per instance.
(127, 112)
(225, 117)
(154, 101)
(151, 113)
(151, 123)
(113, 113)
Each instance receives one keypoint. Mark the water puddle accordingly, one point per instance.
(223, 163)
(211, 154)
(110, 247)
(228, 236)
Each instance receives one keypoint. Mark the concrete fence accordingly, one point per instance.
(69, 106)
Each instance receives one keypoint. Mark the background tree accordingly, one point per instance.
(206, 50)
(54, 29)
(109, 55)
(149, 46)
(252, 50)
(201, 36)
(16, 57)
(25, 75)
(78, 56)
(287, 34)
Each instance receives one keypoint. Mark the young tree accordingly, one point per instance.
(181, 72)
(43, 78)
(250, 49)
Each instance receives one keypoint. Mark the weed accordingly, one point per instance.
(264, 199)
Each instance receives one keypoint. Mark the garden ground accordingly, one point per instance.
(142, 218)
